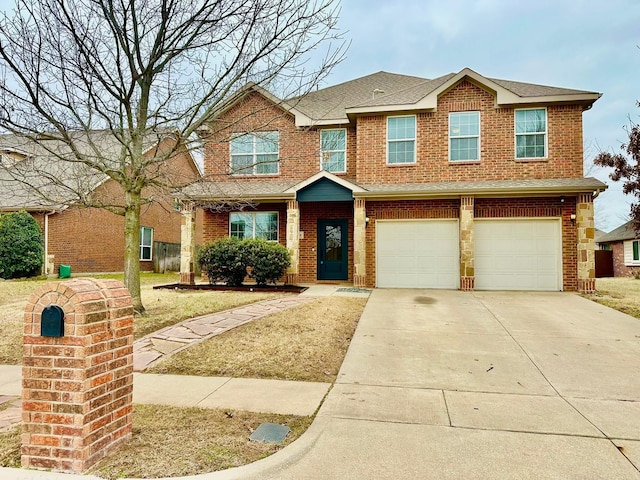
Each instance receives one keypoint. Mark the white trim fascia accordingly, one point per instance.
(329, 176)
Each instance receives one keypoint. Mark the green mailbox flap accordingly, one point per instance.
(52, 321)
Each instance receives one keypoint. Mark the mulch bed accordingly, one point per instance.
(240, 288)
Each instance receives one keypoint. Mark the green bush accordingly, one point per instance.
(223, 261)
(21, 247)
(228, 260)
(268, 260)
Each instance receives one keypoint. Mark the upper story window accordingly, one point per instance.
(146, 243)
(464, 136)
(401, 139)
(262, 225)
(333, 150)
(531, 133)
(255, 154)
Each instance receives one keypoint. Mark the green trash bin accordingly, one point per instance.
(65, 271)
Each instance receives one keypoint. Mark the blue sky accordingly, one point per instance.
(582, 44)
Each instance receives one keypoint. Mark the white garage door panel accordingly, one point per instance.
(417, 254)
(517, 254)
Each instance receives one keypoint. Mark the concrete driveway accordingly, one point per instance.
(449, 384)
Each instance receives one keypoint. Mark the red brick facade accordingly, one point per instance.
(620, 269)
(91, 240)
(367, 166)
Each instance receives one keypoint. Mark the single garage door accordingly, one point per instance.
(518, 254)
(417, 254)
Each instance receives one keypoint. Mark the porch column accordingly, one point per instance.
(293, 240)
(467, 272)
(187, 243)
(359, 243)
(586, 244)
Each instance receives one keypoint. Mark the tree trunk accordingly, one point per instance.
(132, 249)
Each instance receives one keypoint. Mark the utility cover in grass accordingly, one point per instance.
(270, 433)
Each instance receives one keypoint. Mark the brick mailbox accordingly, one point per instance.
(77, 378)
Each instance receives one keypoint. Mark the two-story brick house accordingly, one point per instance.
(460, 182)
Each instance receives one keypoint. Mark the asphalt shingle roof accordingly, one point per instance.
(256, 188)
(623, 232)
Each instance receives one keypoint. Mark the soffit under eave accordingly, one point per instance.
(453, 194)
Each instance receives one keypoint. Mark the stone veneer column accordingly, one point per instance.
(77, 389)
(467, 273)
(359, 243)
(586, 244)
(187, 243)
(293, 240)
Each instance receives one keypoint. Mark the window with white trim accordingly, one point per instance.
(635, 247)
(333, 150)
(146, 243)
(255, 153)
(464, 136)
(401, 140)
(262, 225)
(531, 133)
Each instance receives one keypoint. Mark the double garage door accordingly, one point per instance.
(510, 254)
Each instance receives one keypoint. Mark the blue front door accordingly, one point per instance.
(333, 253)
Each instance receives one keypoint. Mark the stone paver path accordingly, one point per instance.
(158, 345)
(10, 412)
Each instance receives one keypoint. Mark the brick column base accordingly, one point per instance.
(187, 278)
(587, 285)
(467, 283)
(359, 281)
(291, 278)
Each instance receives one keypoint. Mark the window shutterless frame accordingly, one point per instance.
(401, 140)
(264, 225)
(254, 153)
(464, 136)
(333, 150)
(531, 133)
(146, 244)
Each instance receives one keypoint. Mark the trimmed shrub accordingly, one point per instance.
(21, 246)
(223, 261)
(268, 260)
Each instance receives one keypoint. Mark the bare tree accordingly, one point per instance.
(136, 71)
(627, 169)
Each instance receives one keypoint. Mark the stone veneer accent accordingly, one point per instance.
(77, 390)
(586, 244)
(467, 273)
(293, 241)
(188, 244)
(359, 243)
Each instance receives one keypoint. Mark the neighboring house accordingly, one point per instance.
(624, 243)
(460, 182)
(89, 240)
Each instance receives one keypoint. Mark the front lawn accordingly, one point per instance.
(621, 293)
(164, 308)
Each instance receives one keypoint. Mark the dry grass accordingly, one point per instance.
(173, 441)
(621, 293)
(305, 343)
(10, 448)
(164, 307)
